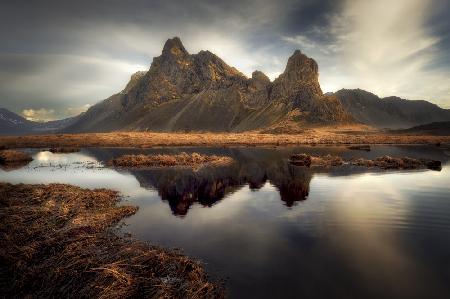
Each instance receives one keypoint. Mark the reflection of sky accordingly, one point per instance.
(369, 230)
(76, 169)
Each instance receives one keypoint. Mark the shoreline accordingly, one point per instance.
(59, 240)
(152, 139)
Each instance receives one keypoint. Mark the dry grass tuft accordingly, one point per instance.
(316, 161)
(385, 162)
(194, 160)
(11, 156)
(63, 150)
(56, 241)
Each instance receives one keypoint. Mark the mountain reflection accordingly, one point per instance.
(183, 187)
(254, 167)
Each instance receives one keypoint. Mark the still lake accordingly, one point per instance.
(273, 230)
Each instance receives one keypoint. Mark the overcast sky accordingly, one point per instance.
(59, 57)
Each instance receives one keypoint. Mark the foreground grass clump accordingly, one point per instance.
(57, 241)
(182, 159)
(11, 156)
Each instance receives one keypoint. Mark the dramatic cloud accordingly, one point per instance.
(62, 54)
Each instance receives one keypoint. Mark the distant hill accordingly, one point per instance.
(389, 112)
(200, 92)
(435, 128)
(14, 124)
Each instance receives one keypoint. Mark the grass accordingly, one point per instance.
(152, 139)
(194, 160)
(58, 241)
(63, 150)
(12, 156)
(384, 162)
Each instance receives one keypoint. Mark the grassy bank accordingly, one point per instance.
(58, 241)
(151, 139)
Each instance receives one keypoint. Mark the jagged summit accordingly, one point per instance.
(193, 92)
(174, 46)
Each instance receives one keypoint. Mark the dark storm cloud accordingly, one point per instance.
(62, 55)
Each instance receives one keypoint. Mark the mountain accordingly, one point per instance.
(435, 128)
(14, 124)
(200, 92)
(389, 112)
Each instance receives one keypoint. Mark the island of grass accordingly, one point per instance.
(193, 160)
(384, 162)
(63, 150)
(58, 241)
(13, 157)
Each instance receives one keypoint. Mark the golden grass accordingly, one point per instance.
(11, 156)
(57, 241)
(330, 136)
(194, 160)
(384, 162)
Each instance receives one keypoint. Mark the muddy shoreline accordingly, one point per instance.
(60, 240)
(150, 139)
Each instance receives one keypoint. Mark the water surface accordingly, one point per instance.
(276, 230)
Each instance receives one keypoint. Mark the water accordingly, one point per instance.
(275, 230)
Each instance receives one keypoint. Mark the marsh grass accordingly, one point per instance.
(193, 160)
(58, 241)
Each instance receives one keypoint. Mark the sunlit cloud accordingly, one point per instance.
(39, 114)
(386, 51)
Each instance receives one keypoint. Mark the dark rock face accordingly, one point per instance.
(389, 112)
(200, 92)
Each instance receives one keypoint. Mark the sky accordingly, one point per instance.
(57, 58)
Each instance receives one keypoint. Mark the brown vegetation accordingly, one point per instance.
(63, 150)
(311, 161)
(194, 160)
(151, 139)
(57, 241)
(11, 156)
(385, 162)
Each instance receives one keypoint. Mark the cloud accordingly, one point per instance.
(386, 51)
(39, 114)
(43, 115)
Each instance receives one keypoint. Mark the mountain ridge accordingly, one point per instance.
(14, 124)
(389, 112)
(200, 92)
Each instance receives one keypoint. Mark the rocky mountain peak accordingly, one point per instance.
(300, 79)
(301, 67)
(174, 47)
